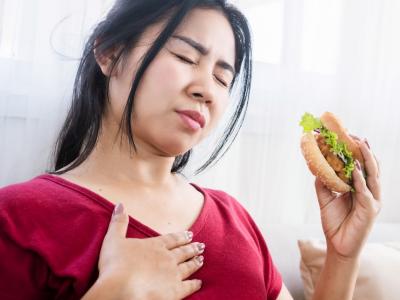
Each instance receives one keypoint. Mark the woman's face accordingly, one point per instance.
(193, 72)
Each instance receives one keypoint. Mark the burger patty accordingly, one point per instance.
(334, 161)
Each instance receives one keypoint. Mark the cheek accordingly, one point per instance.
(166, 77)
(118, 94)
(218, 109)
(160, 90)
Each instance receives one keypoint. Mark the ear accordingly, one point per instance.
(104, 60)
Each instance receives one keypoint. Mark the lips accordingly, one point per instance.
(194, 115)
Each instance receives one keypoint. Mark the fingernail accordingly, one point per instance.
(189, 235)
(201, 247)
(358, 165)
(118, 209)
(200, 259)
(366, 142)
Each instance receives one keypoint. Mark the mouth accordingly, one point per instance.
(192, 119)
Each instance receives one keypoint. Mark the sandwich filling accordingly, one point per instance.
(335, 152)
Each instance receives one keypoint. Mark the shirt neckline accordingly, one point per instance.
(196, 227)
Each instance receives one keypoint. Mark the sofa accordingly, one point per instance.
(283, 245)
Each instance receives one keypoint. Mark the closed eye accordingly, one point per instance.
(222, 82)
(190, 62)
(184, 59)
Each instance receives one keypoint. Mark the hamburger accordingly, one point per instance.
(330, 151)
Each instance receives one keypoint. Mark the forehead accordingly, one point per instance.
(210, 28)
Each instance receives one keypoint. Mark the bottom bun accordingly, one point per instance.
(319, 166)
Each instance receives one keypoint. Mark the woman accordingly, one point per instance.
(154, 81)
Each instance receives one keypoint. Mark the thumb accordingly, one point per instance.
(119, 222)
(324, 195)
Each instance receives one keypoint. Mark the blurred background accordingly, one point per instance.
(309, 56)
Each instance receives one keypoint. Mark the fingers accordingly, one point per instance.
(371, 164)
(372, 170)
(362, 194)
(173, 240)
(119, 222)
(366, 143)
(186, 252)
(378, 164)
(372, 167)
(355, 137)
(189, 287)
(324, 195)
(359, 182)
(188, 268)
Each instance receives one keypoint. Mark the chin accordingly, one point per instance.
(174, 149)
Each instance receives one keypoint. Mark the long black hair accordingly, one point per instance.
(121, 29)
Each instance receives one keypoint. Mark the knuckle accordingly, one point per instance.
(175, 237)
(198, 261)
(185, 270)
(169, 255)
(194, 248)
(196, 285)
(193, 286)
(175, 291)
(189, 267)
(194, 264)
(158, 243)
(185, 251)
(176, 254)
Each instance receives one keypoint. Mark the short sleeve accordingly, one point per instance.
(22, 273)
(273, 278)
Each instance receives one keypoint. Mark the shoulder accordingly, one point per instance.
(34, 213)
(24, 195)
(226, 201)
(38, 203)
(13, 194)
(28, 202)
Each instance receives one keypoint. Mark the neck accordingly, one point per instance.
(114, 161)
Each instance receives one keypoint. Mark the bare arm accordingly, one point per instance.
(337, 279)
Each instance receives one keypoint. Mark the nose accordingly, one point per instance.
(201, 91)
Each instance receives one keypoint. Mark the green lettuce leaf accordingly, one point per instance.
(340, 149)
(310, 123)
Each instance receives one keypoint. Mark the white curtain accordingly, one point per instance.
(40, 45)
(314, 55)
(310, 55)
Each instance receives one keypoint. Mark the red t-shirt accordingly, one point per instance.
(51, 232)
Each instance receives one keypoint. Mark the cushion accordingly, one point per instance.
(378, 276)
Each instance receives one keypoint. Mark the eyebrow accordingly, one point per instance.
(204, 51)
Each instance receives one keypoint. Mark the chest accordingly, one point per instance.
(164, 213)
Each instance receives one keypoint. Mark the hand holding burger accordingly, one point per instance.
(337, 160)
